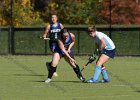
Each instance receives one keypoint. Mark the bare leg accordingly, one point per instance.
(103, 59)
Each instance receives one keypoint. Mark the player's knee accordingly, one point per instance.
(99, 63)
(54, 64)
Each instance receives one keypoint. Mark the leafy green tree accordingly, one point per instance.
(4, 12)
(70, 11)
(82, 12)
(22, 13)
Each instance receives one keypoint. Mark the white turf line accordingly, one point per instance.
(93, 97)
(105, 96)
(88, 86)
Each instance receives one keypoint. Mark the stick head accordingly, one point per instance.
(92, 58)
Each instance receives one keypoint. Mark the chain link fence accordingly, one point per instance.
(26, 41)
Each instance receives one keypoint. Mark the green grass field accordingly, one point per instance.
(21, 78)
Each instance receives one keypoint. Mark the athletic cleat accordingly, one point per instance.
(103, 81)
(48, 80)
(55, 74)
(91, 81)
(81, 78)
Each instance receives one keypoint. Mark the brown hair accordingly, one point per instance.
(91, 28)
(54, 13)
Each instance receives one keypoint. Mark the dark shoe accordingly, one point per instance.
(81, 78)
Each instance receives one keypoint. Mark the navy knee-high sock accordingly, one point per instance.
(51, 71)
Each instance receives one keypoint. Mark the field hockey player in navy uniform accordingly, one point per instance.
(54, 30)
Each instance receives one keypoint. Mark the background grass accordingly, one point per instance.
(21, 78)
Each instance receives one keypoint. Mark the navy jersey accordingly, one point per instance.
(54, 31)
(67, 42)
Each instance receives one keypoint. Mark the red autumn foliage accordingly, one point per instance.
(122, 11)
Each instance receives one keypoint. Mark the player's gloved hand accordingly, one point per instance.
(92, 58)
(98, 52)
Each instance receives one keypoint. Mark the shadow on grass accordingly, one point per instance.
(44, 80)
(138, 91)
(41, 81)
(68, 81)
(28, 75)
(61, 81)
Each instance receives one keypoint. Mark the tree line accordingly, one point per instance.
(71, 12)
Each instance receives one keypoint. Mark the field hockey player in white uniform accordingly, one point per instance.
(105, 49)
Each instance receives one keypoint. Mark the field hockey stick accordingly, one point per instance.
(44, 38)
(85, 66)
(90, 60)
(38, 35)
(41, 37)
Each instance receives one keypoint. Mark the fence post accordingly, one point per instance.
(139, 42)
(13, 41)
(9, 41)
(46, 47)
(110, 21)
(11, 30)
(78, 41)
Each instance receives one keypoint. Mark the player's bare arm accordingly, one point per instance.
(61, 26)
(72, 43)
(102, 45)
(46, 31)
(61, 45)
